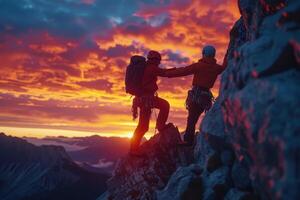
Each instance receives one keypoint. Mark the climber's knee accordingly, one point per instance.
(162, 105)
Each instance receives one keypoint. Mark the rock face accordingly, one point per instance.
(258, 107)
(249, 142)
(139, 177)
(259, 99)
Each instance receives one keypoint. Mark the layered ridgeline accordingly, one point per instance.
(94, 153)
(29, 172)
(249, 142)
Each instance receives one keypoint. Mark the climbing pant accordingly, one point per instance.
(199, 100)
(145, 105)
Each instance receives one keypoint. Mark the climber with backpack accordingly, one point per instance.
(199, 98)
(140, 82)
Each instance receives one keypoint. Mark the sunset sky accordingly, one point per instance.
(63, 61)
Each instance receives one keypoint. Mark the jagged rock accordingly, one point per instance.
(259, 97)
(140, 177)
(291, 15)
(227, 157)
(235, 194)
(208, 151)
(202, 150)
(215, 127)
(217, 183)
(211, 141)
(271, 6)
(240, 176)
(213, 162)
(185, 183)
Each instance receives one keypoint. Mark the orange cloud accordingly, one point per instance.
(54, 81)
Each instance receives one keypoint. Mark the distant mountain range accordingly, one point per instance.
(95, 153)
(30, 172)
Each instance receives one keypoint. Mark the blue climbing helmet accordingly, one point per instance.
(209, 51)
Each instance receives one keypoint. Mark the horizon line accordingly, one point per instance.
(34, 132)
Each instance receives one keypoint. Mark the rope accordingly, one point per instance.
(155, 129)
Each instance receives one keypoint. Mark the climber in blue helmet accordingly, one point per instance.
(199, 98)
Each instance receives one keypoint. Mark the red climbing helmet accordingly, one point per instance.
(153, 55)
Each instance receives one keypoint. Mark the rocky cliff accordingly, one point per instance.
(249, 143)
(140, 177)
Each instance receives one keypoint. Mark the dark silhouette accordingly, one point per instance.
(199, 98)
(146, 97)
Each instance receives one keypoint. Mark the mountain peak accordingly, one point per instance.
(43, 172)
(22, 151)
(139, 177)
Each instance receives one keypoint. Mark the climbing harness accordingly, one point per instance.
(146, 101)
(200, 96)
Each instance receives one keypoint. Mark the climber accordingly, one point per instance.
(199, 98)
(148, 99)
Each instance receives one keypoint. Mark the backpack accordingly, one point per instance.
(134, 75)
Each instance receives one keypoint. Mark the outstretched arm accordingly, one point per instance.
(183, 71)
(163, 72)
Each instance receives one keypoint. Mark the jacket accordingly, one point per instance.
(149, 82)
(205, 72)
